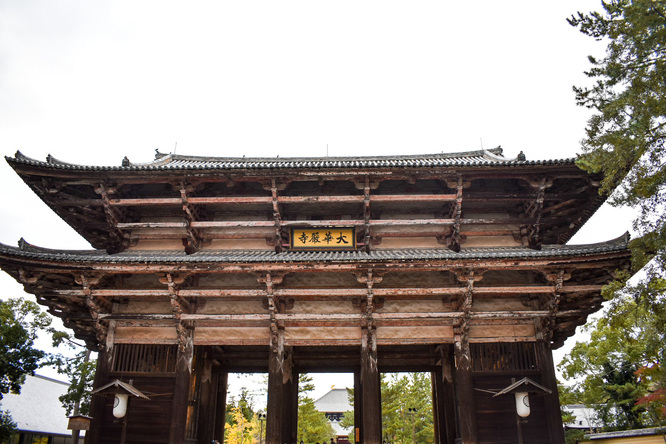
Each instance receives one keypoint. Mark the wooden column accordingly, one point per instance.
(443, 398)
(220, 405)
(282, 406)
(274, 406)
(291, 408)
(98, 403)
(358, 410)
(437, 411)
(465, 391)
(371, 388)
(551, 401)
(206, 400)
(181, 388)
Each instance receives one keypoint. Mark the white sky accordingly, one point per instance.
(92, 82)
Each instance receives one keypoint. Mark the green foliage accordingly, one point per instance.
(407, 408)
(625, 143)
(312, 424)
(7, 426)
(80, 371)
(607, 365)
(572, 436)
(347, 420)
(245, 405)
(20, 320)
(401, 392)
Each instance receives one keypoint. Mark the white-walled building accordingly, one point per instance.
(37, 411)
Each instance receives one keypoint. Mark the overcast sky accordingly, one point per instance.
(92, 82)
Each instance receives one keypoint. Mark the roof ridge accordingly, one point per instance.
(495, 152)
(476, 158)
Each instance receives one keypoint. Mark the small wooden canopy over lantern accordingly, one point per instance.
(79, 422)
(120, 391)
(521, 390)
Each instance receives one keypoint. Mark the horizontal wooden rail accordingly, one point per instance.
(337, 317)
(332, 293)
(324, 223)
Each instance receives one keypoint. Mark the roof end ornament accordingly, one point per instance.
(159, 155)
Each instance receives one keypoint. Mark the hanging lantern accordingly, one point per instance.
(120, 392)
(120, 405)
(521, 391)
(522, 404)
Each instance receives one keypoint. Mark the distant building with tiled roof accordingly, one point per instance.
(334, 405)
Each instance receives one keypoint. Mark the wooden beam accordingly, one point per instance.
(70, 201)
(334, 222)
(231, 200)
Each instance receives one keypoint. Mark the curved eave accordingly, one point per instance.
(473, 159)
(169, 257)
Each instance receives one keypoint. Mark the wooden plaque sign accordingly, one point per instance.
(326, 238)
(79, 422)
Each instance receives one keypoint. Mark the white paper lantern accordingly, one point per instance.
(523, 404)
(120, 405)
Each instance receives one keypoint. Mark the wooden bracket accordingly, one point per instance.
(96, 306)
(192, 213)
(114, 216)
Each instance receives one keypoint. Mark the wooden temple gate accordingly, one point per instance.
(449, 264)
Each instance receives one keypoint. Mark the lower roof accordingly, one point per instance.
(31, 252)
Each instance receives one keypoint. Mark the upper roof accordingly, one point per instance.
(162, 161)
(198, 199)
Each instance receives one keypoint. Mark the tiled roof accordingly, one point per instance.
(335, 401)
(481, 158)
(27, 251)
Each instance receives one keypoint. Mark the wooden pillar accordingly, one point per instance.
(282, 406)
(206, 400)
(551, 401)
(437, 411)
(357, 437)
(465, 391)
(443, 398)
(98, 403)
(181, 388)
(291, 408)
(371, 388)
(220, 405)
